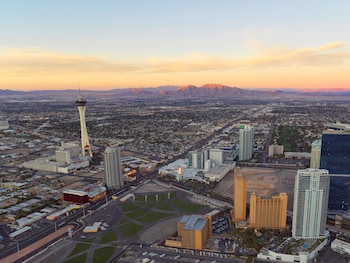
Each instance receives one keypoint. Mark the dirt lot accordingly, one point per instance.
(265, 182)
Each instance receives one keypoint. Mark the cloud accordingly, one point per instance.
(34, 60)
(29, 61)
(325, 55)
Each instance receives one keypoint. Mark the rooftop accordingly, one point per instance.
(193, 222)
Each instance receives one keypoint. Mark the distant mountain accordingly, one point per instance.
(218, 90)
(325, 93)
(7, 92)
(190, 91)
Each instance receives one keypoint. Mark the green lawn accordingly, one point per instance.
(186, 206)
(103, 254)
(128, 207)
(130, 229)
(109, 236)
(123, 220)
(81, 246)
(153, 216)
(151, 204)
(140, 198)
(152, 198)
(288, 137)
(77, 259)
(164, 205)
(137, 213)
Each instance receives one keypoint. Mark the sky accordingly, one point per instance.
(106, 44)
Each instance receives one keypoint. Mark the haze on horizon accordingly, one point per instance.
(119, 44)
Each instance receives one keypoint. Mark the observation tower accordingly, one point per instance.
(85, 145)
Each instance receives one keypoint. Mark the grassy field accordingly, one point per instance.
(103, 254)
(150, 198)
(128, 207)
(288, 137)
(164, 205)
(153, 217)
(186, 206)
(123, 220)
(109, 236)
(140, 198)
(77, 259)
(137, 213)
(82, 246)
(130, 229)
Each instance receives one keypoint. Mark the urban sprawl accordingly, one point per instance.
(102, 179)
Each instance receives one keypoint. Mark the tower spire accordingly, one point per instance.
(85, 145)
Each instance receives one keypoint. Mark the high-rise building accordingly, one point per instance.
(275, 150)
(85, 145)
(315, 154)
(216, 156)
(335, 152)
(246, 142)
(335, 157)
(194, 231)
(310, 203)
(112, 165)
(196, 160)
(268, 212)
(239, 195)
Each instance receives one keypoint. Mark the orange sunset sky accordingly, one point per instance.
(119, 44)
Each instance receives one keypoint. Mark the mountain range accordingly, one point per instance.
(189, 91)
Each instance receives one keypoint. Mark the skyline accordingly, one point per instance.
(114, 44)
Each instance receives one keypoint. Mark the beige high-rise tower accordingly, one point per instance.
(268, 212)
(239, 195)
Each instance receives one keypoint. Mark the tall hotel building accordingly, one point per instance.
(196, 159)
(216, 156)
(268, 213)
(112, 165)
(315, 154)
(310, 203)
(246, 142)
(335, 157)
(239, 196)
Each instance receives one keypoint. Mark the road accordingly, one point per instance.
(268, 142)
(13, 246)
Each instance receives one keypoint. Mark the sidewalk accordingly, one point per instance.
(27, 250)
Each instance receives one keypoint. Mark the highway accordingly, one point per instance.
(12, 246)
(48, 227)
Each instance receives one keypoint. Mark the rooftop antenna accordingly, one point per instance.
(79, 93)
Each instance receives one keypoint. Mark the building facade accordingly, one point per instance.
(335, 157)
(194, 231)
(113, 170)
(246, 142)
(310, 203)
(239, 196)
(268, 213)
(315, 154)
(275, 150)
(196, 160)
(335, 152)
(216, 156)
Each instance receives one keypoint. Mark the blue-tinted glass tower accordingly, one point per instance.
(335, 157)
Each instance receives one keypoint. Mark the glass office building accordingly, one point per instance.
(335, 157)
